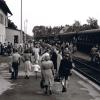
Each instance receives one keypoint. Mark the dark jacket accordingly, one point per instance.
(65, 67)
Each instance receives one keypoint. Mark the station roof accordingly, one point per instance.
(4, 7)
(90, 31)
(12, 29)
(83, 32)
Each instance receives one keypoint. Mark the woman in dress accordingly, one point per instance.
(27, 63)
(47, 71)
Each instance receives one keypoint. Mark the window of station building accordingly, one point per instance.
(1, 18)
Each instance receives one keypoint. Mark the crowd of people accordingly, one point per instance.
(6, 49)
(54, 62)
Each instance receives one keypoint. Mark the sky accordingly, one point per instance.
(52, 12)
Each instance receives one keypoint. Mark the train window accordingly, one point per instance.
(86, 38)
(82, 38)
(78, 38)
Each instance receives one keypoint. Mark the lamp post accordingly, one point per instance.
(21, 24)
(25, 29)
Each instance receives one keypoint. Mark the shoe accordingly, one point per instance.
(64, 89)
(45, 92)
(50, 92)
(26, 77)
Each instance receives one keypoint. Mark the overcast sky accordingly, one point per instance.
(53, 12)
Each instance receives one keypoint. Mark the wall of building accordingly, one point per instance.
(11, 33)
(3, 24)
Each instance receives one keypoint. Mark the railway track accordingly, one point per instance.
(87, 69)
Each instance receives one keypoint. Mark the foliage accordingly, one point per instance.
(11, 24)
(42, 30)
(76, 27)
(93, 23)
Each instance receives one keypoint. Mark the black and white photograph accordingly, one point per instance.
(49, 49)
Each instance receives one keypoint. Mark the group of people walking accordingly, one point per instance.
(55, 64)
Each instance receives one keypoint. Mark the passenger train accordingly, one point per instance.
(84, 40)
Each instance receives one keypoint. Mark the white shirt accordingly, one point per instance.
(36, 67)
(15, 57)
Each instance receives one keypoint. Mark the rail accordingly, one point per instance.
(88, 70)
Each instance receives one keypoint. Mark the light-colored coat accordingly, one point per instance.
(47, 72)
(59, 58)
(28, 67)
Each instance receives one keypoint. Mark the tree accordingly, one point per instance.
(86, 27)
(93, 23)
(76, 26)
(11, 24)
(39, 30)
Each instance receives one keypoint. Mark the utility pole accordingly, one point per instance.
(21, 25)
(25, 29)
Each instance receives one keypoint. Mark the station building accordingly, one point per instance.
(7, 34)
(4, 11)
(14, 36)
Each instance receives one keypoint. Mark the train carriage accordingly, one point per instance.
(84, 40)
(87, 39)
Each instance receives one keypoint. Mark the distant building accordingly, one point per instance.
(4, 11)
(29, 38)
(64, 30)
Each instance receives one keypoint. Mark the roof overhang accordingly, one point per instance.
(4, 7)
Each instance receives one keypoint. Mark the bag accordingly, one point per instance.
(57, 78)
(42, 84)
(10, 69)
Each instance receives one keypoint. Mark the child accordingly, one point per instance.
(36, 69)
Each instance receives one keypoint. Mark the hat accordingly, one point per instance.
(45, 55)
(66, 51)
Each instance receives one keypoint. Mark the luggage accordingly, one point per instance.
(57, 78)
(10, 69)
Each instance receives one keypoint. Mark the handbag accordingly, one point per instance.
(10, 69)
(42, 83)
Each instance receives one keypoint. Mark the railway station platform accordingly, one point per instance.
(82, 55)
(79, 88)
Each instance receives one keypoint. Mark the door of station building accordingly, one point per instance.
(15, 38)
